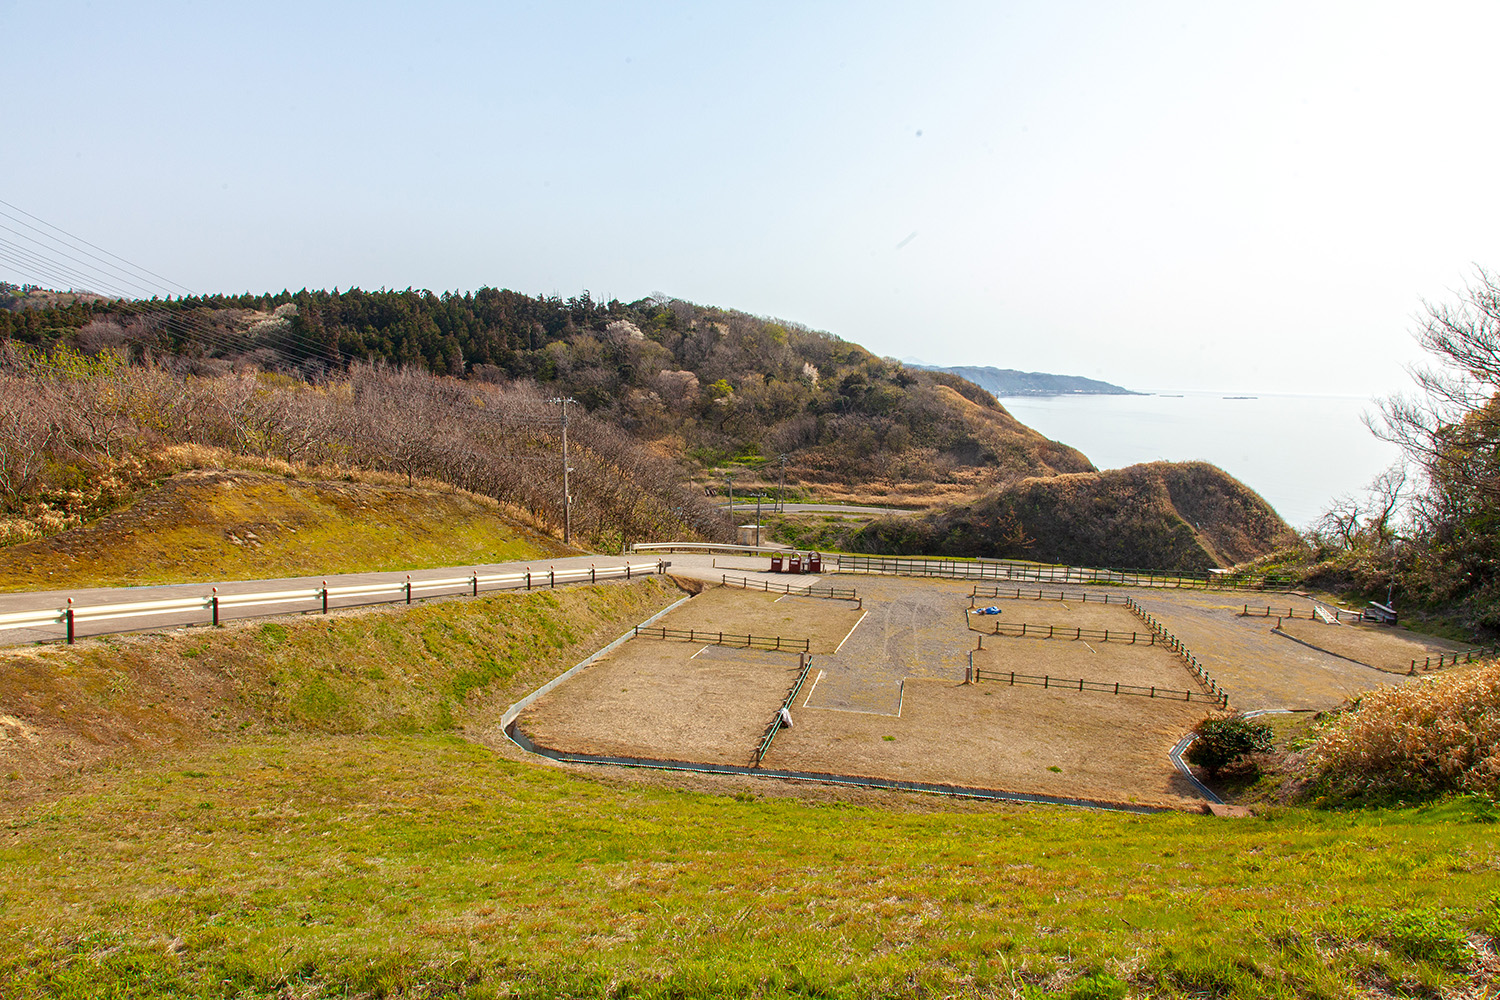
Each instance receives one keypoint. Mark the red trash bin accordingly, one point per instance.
(776, 564)
(815, 563)
(796, 565)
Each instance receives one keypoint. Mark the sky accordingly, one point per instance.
(1238, 197)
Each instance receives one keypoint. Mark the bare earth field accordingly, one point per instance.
(667, 701)
(742, 612)
(997, 736)
(887, 699)
(1380, 646)
(1074, 659)
(1257, 668)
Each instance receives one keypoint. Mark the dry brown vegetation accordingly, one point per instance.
(214, 524)
(1188, 516)
(69, 422)
(1437, 735)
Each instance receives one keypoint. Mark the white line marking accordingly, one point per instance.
(901, 701)
(851, 632)
(812, 689)
(695, 655)
(1091, 648)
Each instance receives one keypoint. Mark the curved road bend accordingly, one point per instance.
(689, 565)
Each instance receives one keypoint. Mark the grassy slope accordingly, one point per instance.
(324, 833)
(383, 670)
(184, 530)
(313, 865)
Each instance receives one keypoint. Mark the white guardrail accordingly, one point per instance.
(214, 605)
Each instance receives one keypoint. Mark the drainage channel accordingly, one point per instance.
(956, 791)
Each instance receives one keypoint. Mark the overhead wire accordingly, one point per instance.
(55, 265)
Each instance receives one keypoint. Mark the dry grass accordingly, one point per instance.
(1382, 647)
(1440, 734)
(227, 524)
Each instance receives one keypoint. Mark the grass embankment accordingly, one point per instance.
(431, 666)
(422, 865)
(323, 837)
(231, 524)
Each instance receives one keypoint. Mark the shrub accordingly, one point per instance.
(1221, 742)
(1438, 735)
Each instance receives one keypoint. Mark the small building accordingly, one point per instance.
(750, 534)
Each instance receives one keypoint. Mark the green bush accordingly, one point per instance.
(1221, 742)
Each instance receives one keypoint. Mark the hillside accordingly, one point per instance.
(290, 809)
(714, 388)
(1010, 382)
(1187, 516)
(207, 525)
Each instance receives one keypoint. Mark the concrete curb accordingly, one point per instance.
(521, 706)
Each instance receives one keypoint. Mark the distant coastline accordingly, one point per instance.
(1010, 382)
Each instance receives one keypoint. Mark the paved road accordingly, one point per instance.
(688, 565)
(829, 508)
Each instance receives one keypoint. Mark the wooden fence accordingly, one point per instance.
(1177, 646)
(980, 674)
(1339, 614)
(786, 706)
(1006, 569)
(773, 643)
(1030, 631)
(1005, 594)
(831, 593)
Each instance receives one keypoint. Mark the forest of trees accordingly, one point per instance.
(709, 384)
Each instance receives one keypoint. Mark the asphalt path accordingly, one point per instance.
(687, 565)
(827, 508)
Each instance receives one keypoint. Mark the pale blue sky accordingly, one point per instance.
(1240, 197)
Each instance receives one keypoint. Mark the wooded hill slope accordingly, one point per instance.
(713, 386)
(1188, 516)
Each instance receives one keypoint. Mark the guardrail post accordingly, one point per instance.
(408, 588)
(627, 570)
(551, 576)
(325, 597)
(70, 621)
(593, 578)
(474, 579)
(528, 577)
(216, 607)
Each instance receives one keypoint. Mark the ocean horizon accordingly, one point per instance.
(1298, 451)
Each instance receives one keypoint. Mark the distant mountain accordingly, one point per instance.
(1009, 382)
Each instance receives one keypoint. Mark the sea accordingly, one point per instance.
(1299, 452)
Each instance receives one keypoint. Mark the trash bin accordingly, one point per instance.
(815, 563)
(776, 564)
(796, 565)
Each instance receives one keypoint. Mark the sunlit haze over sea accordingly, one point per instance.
(1298, 452)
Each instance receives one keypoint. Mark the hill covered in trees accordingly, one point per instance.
(713, 386)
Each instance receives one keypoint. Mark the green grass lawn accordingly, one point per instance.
(421, 865)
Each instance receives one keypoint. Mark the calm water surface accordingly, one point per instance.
(1299, 452)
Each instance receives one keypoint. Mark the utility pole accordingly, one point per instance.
(567, 493)
(781, 488)
(729, 478)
